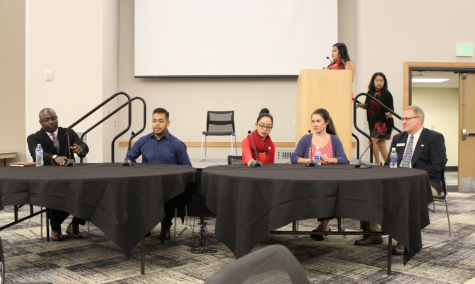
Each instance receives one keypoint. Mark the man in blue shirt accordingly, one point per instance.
(160, 147)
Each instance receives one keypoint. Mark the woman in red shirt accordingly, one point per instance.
(341, 59)
(264, 145)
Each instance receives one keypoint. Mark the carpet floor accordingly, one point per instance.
(96, 259)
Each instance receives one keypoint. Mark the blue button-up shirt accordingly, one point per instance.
(167, 150)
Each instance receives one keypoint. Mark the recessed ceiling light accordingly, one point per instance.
(428, 80)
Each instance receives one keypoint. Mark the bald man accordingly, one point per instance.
(56, 151)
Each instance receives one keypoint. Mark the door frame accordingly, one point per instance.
(408, 67)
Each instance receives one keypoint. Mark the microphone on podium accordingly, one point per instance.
(365, 165)
(255, 163)
(331, 61)
(310, 163)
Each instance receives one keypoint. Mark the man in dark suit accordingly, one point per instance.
(56, 151)
(420, 148)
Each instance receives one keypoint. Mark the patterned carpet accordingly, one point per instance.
(96, 259)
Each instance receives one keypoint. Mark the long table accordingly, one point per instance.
(123, 202)
(251, 202)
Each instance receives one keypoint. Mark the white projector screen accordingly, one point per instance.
(194, 38)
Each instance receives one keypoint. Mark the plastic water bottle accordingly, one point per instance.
(393, 159)
(39, 156)
(318, 156)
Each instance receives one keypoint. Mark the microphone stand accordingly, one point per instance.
(255, 163)
(127, 162)
(311, 163)
(364, 165)
(70, 162)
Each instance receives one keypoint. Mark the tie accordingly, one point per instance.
(55, 142)
(406, 160)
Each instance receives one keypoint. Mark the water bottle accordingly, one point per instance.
(393, 159)
(39, 156)
(318, 156)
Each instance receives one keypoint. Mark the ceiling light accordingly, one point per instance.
(428, 80)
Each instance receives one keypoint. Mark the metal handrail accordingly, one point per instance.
(133, 135)
(105, 118)
(360, 130)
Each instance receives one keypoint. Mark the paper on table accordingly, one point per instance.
(23, 164)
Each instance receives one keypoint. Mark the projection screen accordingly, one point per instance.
(207, 38)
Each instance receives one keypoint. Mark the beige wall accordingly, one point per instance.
(441, 112)
(392, 32)
(188, 100)
(110, 74)
(381, 35)
(12, 78)
(78, 41)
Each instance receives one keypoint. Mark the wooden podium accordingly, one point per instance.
(328, 89)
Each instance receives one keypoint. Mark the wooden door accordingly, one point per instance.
(467, 122)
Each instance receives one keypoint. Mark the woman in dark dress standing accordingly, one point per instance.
(380, 122)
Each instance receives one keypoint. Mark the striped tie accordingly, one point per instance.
(406, 160)
(55, 142)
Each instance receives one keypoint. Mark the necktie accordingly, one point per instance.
(406, 160)
(55, 142)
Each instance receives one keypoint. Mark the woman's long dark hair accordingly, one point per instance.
(344, 56)
(326, 117)
(372, 87)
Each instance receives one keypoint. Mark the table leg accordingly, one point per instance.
(142, 256)
(390, 253)
(47, 225)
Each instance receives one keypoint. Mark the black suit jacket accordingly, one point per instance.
(41, 137)
(429, 154)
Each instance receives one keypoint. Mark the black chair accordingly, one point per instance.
(234, 160)
(272, 264)
(219, 123)
(2, 267)
(442, 198)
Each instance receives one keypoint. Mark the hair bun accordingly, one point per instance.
(264, 110)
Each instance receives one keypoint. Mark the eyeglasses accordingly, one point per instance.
(264, 127)
(408, 118)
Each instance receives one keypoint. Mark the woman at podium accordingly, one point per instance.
(259, 141)
(341, 59)
(332, 152)
(379, 120)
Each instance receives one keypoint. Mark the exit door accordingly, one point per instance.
(467, 133)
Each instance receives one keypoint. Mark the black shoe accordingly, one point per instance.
(319, 237)
(164, 235)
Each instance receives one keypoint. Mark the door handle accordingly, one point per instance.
(465, 133)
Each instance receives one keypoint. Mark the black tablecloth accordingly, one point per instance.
(123, 202)
(251, 202)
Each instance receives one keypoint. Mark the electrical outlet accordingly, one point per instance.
(284, 153)
(49, 75)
